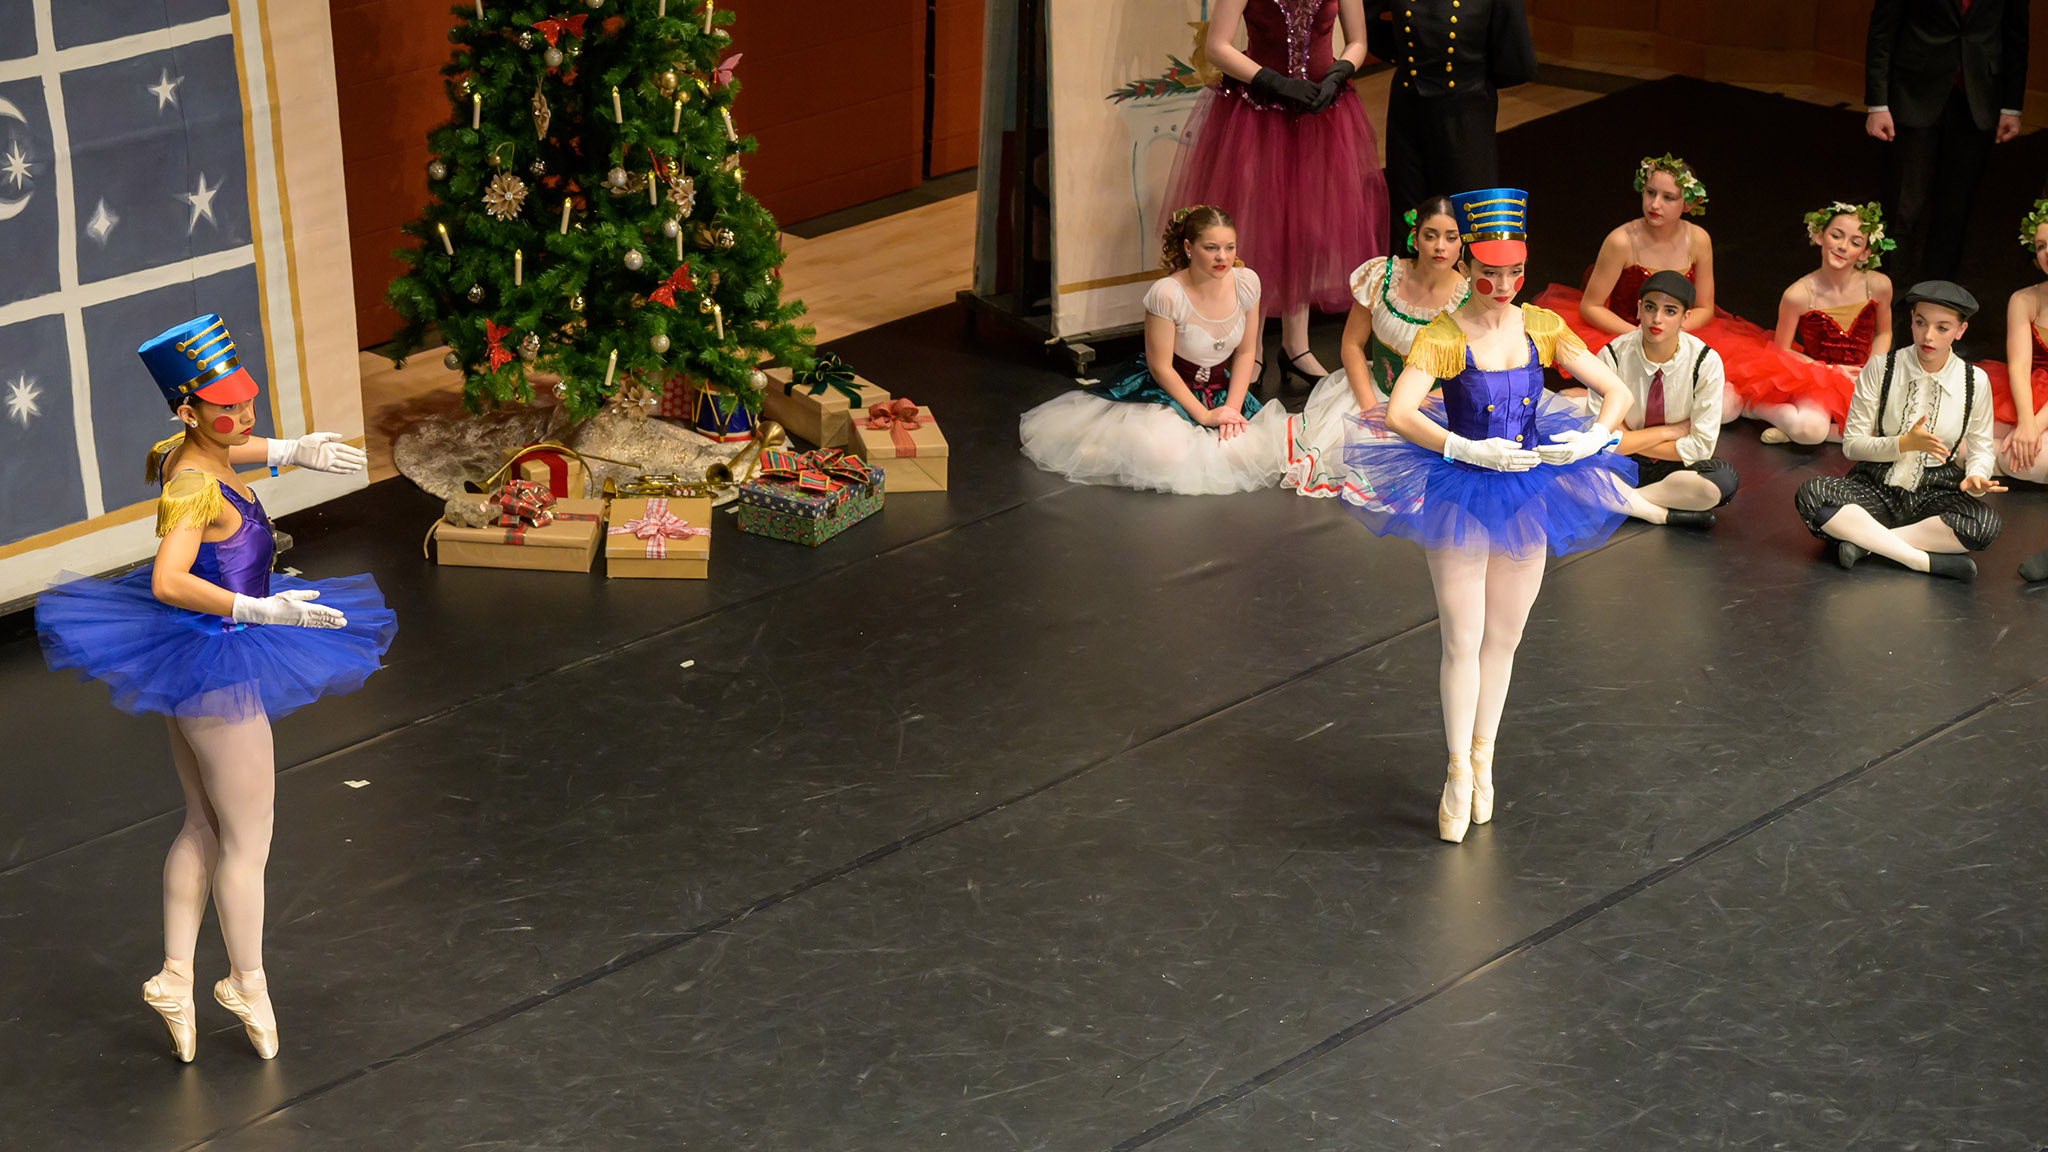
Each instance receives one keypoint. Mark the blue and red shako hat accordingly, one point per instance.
(197, 358)
(1494, 223)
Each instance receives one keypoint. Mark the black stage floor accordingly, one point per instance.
(1051, 817)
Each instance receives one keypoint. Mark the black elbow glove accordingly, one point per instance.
(1334, 82)
(1278, 87)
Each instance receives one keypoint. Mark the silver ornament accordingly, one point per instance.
(575, 49)
(670, 228)
(476, 293)
(526, 39)
(576, 302)
(436, 170)
(529, 345)
(634, 260)
(595, 3)
(561, 389)
(757, 379)
(659, 343)
(451, 361)
(538, 167)
(552, 57)
(726, 239)
(616, 177)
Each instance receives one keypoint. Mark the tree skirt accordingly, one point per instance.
(442, 452)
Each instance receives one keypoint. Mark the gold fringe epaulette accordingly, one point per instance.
(1550, 334)
(1439, 349)
(192, 499)
(153, 467)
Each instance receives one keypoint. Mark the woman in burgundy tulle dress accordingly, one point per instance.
(1283, 145)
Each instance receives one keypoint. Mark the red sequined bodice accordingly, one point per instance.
(1822, 337)
(1291, 36)
(1628, 290)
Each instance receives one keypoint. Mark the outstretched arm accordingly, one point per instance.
(320, 451)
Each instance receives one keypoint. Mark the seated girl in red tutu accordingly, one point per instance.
(2019, 387)
(1831, 321)
(1282, 144)
(1661, 238)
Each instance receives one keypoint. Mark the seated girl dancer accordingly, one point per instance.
(1394, 297)
(1831, 321)
(210, 639)
(2019, 387)
(1177, 418)
(1660, 238)
(1487, 479)
(1919, 430)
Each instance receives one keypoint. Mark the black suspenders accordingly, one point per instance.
(1884, 399)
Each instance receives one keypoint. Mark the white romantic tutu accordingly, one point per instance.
(1315, 438)
(1090, 440)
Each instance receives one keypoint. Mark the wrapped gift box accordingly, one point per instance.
(678, 397)
(658, 537)
(810, 497)
(908, 439)
(567, 544)
(560, 470)
(818, 412)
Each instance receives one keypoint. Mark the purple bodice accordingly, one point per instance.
(1483, 405)
(240, 563)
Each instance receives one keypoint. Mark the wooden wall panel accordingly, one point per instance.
(956, 85)
(388, 56)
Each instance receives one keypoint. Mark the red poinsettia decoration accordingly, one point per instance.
(679, 280)
(554, 26)
(499, 357)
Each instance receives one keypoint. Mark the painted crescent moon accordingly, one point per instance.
(9, 209)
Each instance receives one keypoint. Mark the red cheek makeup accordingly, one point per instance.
(223, 424)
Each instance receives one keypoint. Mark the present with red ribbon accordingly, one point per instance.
(809, 497)
(543, 533)
(556, 467)
(658, 537)
(817, 405)
(907, 437)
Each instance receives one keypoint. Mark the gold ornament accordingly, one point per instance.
(668, 82)
(683, 190)
(576, 302)
(504, 196)
(726, 239)
(731, 163)
(542, 114)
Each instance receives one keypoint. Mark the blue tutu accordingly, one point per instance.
(160, 658)
(1397, 488)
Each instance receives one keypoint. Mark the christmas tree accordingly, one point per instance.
(589, 217)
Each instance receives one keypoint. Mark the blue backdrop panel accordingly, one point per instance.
(78, 22)
(157, 158)
(28, 195)
(128, 413)
(17, 29)
(38, 435)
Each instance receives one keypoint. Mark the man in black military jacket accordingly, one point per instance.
(1944, 80)
(1450, 58)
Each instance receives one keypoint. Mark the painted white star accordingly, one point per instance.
(201, 201)
(102, 223)
(21, 400)
(16, 168)
(166, 91)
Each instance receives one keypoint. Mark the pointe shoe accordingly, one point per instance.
(1847, 554)
(1482, 780)
(180, 1015)
(1454, 810)
(262, 1036)
(1951, 566)
(1775, 436)
(1686, 518)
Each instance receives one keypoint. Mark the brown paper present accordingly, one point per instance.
(823, 418)
(568, 544)
(906, 440)
(659, 537)
(560, 470)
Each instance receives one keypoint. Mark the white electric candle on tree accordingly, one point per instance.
(479, 9)
(610, 368)
(565, 215)
(678, 125)
(446, 244)
(518, 267)
(476, 110)
(653, 189)
(618, 113)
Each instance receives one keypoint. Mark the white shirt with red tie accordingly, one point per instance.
(1686, 387)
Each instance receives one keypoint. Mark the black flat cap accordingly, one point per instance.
(1671, 283)
(1949, 295)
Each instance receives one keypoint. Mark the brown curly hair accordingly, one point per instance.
(1186, 225)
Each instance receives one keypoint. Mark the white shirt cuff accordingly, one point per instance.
(2014, 112)
(1879, 108)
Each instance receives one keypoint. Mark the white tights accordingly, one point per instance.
(228, 773)
(1685, 491)
(1482, 602)
(1804, 420)
(1908, 545)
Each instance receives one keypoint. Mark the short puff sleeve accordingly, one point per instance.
(1247, 289)
(1166, 298)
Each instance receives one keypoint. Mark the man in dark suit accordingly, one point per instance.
(1450, 58)
(1944, 80)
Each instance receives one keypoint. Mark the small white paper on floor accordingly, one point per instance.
(357, 783)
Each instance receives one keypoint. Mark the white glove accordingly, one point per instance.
(1568, 447)
(293, 606)
(320, 451)
(1499, 453)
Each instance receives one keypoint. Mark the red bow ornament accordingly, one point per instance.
(523, 504)
(899, 418)
(679, 280)
(499, 357)
(656, 527)
(554, 26)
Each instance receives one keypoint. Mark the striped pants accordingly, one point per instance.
(1939, 494)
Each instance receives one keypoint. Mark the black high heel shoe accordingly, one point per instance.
(1289, 372)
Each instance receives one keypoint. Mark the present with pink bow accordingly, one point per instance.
(809, 497)
(658, 537)
(906, 437)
